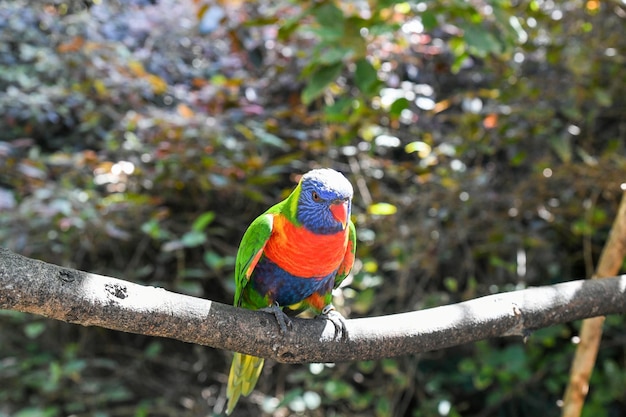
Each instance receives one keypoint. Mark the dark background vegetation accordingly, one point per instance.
(486, 143)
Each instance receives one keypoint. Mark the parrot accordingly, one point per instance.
(294, 254)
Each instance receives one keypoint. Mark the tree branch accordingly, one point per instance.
(78, 297)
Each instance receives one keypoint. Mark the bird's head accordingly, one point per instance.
(325, 201)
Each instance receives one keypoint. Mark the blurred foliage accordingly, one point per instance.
(486, 143)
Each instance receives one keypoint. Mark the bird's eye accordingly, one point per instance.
(316, 197)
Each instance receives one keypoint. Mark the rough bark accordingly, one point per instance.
(94, 300)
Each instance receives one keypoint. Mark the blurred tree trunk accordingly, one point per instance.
(78, 297)
(610, 263)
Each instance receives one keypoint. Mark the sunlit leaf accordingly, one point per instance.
(159, 85)
(370, 266)
(137, 68)
(422, 148)
(382, 209)
(185, 111)
(100, 87)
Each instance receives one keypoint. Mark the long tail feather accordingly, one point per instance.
(244, 373)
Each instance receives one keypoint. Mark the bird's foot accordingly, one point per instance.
(339, 321)
(284, 322)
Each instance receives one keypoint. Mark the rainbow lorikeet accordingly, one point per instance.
(294, 254)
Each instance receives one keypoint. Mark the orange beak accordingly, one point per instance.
(339, 210)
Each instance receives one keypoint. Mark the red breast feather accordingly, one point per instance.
(303, 253)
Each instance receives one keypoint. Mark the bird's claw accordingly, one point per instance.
(284, 322)
(339, 321)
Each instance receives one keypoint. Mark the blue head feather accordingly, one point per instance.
(319, 189)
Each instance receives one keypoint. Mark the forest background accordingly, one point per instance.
(486, 142)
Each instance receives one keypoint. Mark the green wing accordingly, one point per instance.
(348, 259)
(250, 251)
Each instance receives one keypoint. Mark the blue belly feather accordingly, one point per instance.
(286, 289)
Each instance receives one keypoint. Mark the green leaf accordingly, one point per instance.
(287, 27)
(320, 79)
(383, 407)
(480, 41)
(333, 54)
(364, 301)
(216, 261)
(338, 111)
(390, 366)
(451, 284)
(37, 412)
(398, 105)
(365, 77)
(519, 158)
(458, 62)
(269, 138)
(383, 28)
(383, 4)
(153, 229)
(153, 350)
(286, 30)
(203, 221)
(329, 16)
(337, 389)
(562, 146)
(74, 367)
(326, 36)
(34, 329)
(429, 20)
(367, 367)
(193, 238)
(603, 97)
